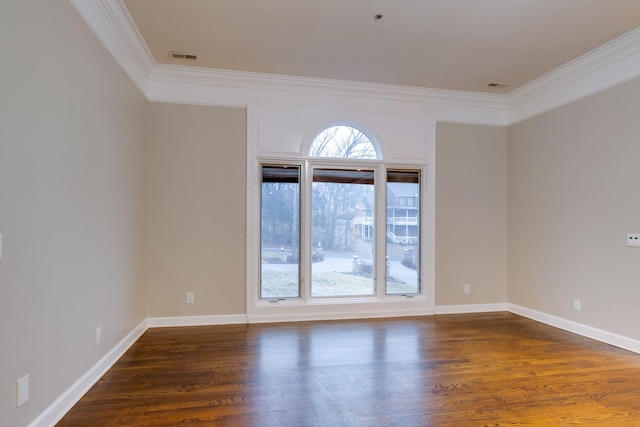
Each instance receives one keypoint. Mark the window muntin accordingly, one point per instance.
(343, 226)
(343, 142)
(280, 232)
(403, 233)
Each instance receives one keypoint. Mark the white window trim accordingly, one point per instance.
(305, 308)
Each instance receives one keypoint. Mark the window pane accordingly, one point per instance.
(344, 142)
(342, 232)
(403, 232)
(280, 232)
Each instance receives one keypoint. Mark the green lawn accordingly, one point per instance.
(284, 284)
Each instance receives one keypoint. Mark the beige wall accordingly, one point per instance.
(471, 214)
(574, 186)
(196, 186)
(72, 132)
(196, 196)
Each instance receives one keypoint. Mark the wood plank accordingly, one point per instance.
(457, 370)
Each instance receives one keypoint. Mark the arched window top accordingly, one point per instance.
(343, 142)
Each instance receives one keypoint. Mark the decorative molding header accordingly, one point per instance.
(604, 67)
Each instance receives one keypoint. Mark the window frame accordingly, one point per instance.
(319, 163)
(378, 305)
(300, 247)
(420, 206)
(379, 168)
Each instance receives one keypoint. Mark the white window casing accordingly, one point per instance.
(284, 136)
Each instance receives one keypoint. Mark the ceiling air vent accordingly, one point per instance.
(494, 84)
(183, 56)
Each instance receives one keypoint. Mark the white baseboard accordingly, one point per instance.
(307, 317)
(577, 328)
(65, 402)
(226, 319)
(470, 308)
(442, 309)
(54, 413)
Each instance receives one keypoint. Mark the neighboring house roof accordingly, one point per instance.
(402, 189)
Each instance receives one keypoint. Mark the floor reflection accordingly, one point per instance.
(342, 368)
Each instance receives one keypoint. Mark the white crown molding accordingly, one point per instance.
(600, 69)
(604, 67)
(202, 86)
(175, 74)
(111, 22)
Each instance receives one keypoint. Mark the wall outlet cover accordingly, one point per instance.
(22, 390)
(577, 305)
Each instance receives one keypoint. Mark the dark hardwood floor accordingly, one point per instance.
(458, 370)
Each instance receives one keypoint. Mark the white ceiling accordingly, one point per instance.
(441, 44)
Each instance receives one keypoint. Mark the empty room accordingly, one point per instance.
(327, 213)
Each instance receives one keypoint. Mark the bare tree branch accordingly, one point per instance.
(344, 142)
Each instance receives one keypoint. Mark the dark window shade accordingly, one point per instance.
(281, 174)
(343, 176)
(410, 177)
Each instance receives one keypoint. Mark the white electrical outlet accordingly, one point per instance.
(577, 305)
(633, 239)
(98, 335)
(22, 390)
(467, 289)
(190, 298)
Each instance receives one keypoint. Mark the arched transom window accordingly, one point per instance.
(343, 142)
